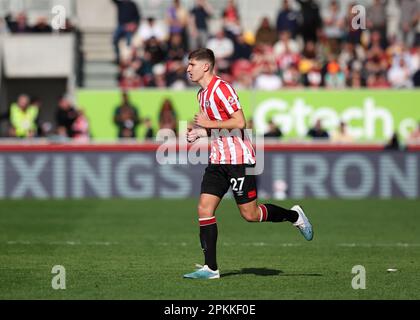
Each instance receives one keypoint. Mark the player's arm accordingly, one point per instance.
(236, 121)
(196, 133)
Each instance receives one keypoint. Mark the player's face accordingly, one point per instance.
(196, 69)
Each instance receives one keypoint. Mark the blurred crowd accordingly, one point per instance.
(23, 120)
(71, 124)
(309, 47)
(342, 135)
(19, 23)
(305, 46)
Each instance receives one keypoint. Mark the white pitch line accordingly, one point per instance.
(226, 244)
(372, 245)
(229, 244)
(60, 243)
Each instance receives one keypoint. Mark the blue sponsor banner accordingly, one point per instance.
(127, 174)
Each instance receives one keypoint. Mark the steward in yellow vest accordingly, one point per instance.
(23, 117)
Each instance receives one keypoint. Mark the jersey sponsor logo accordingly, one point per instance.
(252, 194)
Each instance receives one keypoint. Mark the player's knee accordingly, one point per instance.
(204, 211)
(249, 215)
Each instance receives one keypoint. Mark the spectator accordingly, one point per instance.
(156, 50)
(231, 19)
(241, 71)
(285, 45)
(308, 66)
(376, 59)
(267, 79)
(287, 20)
(23, 118)
(132, 73)
(334, 77)
(242, 50)
(355, 80)
(177, 80)
(399, 75)
(59, 135)
(353, 33)
(42, 26)
(126, 118)
(414, 137)
(223, 48)
(159, 77)
(410, 10)
(351, 60)
(46, 130)
(311, 20)
(314, 77)
(65, 115)
(128, 21)
(130, 76)
(334, 26)
(273, 131)
(341, 135)
(199, 27)
(167, 116)
(318, 132)
(291, 77)
(177, 18)
(377, 81)
(263, 59)
(175, 68)
(80, 128)
(393, 144)
(150, 29)
(176, 51)
(266, 35)
(376, 19)
(19, 25)
(149, 135)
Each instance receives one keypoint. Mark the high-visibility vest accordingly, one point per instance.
(23, 121)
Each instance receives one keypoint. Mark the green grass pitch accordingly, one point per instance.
(139, 249)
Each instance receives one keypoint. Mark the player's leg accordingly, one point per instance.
(269, 212)
(244, 188)
(213, 188)
(252, 212)
(207, 206)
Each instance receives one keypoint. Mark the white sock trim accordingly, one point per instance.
(261, 214)
(205, 219)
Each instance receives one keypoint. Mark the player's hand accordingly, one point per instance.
(201, 120)
(195, 134)
(192, 135)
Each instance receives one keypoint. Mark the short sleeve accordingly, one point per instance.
(228, 99)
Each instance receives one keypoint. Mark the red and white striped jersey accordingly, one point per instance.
(219, 101)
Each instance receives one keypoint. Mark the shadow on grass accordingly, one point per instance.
(265, 272)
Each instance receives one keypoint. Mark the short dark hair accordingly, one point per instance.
(203, 54)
